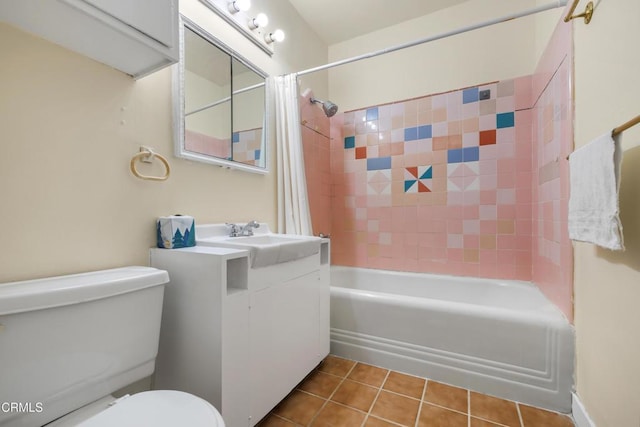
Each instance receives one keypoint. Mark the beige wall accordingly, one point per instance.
(498, 52)
(607, 284)
(70, 126)
(544, 25)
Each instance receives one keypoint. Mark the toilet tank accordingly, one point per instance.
(67, 341)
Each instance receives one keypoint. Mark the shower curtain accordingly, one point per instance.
(293, 205)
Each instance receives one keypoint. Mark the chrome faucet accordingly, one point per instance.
(246, 230)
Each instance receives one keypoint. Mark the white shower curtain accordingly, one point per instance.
(293, 204)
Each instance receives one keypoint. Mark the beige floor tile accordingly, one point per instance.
(494, 409)
(320, 384)
(336, 366)
(534, 417)
(368, 374)
(377, 422)
(477, 422)
(447, 396)
(404, 384)
(434, 416)
(299, 407)
(274, 421)
(397, 403)
(334, 415)
(396, 408)
(355, 395)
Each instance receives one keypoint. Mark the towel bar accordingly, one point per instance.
(617, 131)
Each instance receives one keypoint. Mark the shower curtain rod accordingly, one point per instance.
(552, 5)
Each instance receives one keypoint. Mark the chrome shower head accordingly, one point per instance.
(328, 107)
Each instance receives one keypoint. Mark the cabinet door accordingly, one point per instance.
(283, 323)
(155, 18)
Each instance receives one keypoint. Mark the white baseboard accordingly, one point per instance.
(579, 413)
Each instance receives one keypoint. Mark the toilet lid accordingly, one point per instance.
(159, 408)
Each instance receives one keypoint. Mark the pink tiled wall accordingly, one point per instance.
(246, 145)
(438, 184)
(316, 146)
(205, 144)
(552, 118)
(451, 183)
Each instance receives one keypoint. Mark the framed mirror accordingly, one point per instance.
(219, 99)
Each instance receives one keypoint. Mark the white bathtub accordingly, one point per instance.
(498, 337)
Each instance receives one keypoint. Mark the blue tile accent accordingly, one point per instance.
(235, 137)
(372, 114)
(257, 155)
(428, 174)
(378, 163)
(409, 184)
(454, 156)
(424, 132)
(410, 134)
(470, 95)
(350, 142)
(470, 154)
(505, 120)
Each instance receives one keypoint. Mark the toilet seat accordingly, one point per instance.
(159, 408)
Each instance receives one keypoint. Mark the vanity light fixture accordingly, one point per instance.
(261, 20)
(252, 25)
(276, 36)
(239, 6)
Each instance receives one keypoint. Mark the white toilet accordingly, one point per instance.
(67, 342)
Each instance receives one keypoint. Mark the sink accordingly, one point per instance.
(265, 248)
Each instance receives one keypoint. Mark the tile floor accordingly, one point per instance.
(345, 393)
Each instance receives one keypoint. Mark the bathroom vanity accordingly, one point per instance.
(241, 334)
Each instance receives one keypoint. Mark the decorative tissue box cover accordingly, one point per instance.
(176, 231)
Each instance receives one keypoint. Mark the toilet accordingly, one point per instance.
(68, 342)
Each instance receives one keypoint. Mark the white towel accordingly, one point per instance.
(593, 200)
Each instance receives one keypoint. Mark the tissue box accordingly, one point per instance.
(176, 231)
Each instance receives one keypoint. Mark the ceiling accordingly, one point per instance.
(339, 20)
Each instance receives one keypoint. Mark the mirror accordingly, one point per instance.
(220, 113)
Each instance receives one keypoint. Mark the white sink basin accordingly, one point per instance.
(264, 248)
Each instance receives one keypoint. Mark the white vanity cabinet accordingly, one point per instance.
(204, 335)
(289, 328)
(240, 337)
(136, 37)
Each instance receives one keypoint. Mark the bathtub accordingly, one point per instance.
(498, 337)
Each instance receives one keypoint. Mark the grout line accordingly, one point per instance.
(401, 395)
(375, 399)
(424, 392)
(332, 393)
(519, 414)
(468, 408)
(444, 407)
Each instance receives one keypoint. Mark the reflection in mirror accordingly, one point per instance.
(248, 112)
(219, 104)
(207, 97)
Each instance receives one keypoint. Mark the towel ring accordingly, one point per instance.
(148, 156)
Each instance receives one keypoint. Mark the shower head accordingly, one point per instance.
(328, 107)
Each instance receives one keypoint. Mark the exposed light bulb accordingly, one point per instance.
(239, 6)
(261, 20)
(276, 36)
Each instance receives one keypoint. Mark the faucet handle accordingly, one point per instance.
(234, 230)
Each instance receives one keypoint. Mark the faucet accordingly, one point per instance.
(246, 230)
